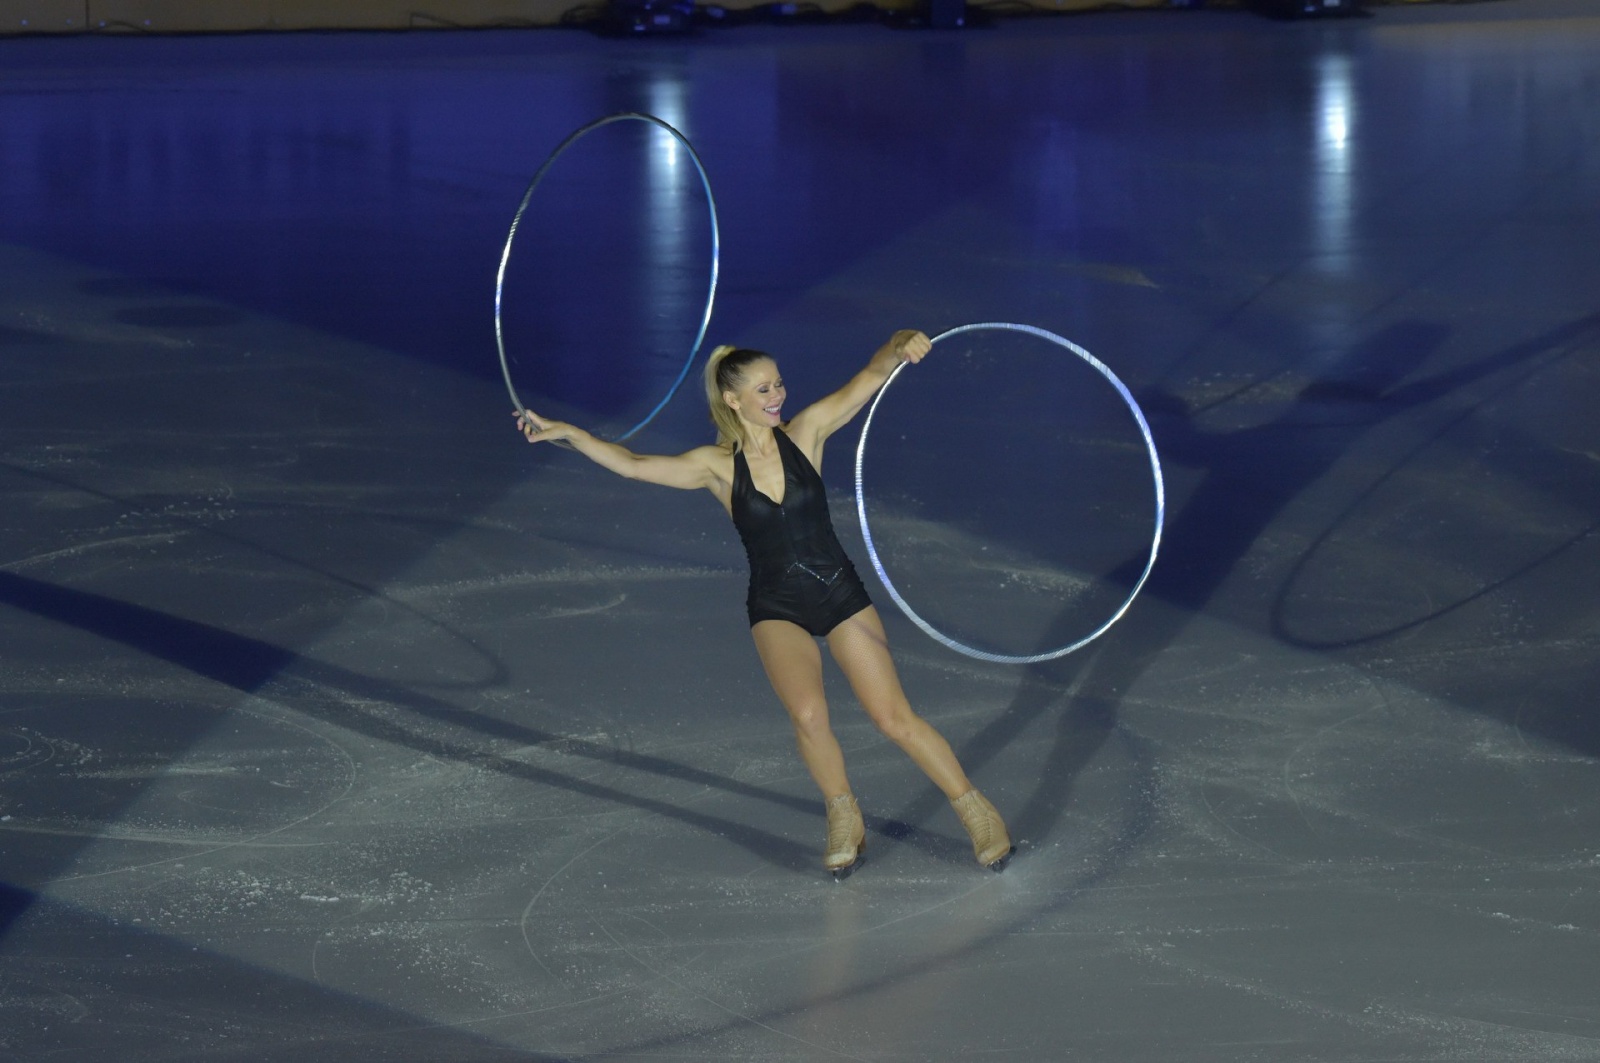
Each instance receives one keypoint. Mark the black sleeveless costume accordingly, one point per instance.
(798, 570)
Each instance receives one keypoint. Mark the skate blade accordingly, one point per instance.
(842, 873)
(1000, 864)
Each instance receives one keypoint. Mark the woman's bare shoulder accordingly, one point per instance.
(803, 432)
(802, 428)
(710, 454)
(714, 458)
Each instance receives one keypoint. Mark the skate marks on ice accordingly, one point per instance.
(87, 767)
(1346, 850)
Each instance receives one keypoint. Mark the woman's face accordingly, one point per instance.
(759, 400)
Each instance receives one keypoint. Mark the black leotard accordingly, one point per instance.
(798, 570)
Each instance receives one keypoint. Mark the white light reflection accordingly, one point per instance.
(667, 103)
(1333, 177)
(668, 223)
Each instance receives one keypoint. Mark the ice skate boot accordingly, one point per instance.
(990, 842)
(847, 836)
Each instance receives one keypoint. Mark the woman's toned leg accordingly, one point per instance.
(794, 667)
(862, 649)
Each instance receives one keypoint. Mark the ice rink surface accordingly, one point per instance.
(337, 723)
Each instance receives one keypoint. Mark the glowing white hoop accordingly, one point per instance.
(716, 254)
(1155, 470)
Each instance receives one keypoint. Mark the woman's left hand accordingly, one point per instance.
(908, 345)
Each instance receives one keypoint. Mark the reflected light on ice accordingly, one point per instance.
(1333, 176)
(668, 217)
(667, 102)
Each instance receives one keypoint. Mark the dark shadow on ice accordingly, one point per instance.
(179, 315)
(16, 337)
(1250, 475)
(1535, 356)
(13, 902)
(495, 669)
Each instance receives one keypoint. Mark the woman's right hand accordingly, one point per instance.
(694, 469)
(536, 429)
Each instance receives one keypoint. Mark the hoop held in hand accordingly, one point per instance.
(527, 197)
(1155, 470)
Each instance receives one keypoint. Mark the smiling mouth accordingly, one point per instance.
(773, 409)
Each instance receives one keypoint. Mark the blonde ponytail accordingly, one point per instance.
(725, 372)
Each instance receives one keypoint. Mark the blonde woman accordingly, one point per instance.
(763, 470)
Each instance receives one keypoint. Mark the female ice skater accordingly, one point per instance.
(802, 586)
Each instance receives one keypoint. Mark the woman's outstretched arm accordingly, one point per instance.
(688, 471)
(827, 415)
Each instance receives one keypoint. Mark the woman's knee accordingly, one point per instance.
(809, 716)
(895, 720)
